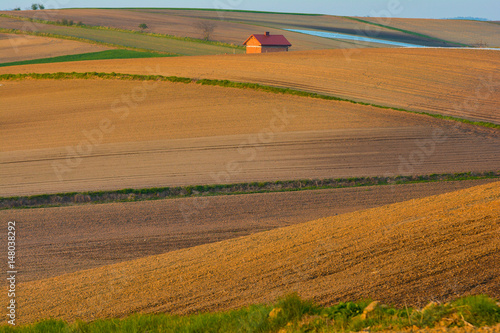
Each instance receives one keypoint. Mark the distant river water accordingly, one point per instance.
(335, 35)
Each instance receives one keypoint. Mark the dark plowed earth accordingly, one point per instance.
(412, 252)
(56, 241)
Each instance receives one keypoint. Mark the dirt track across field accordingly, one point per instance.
(458, 82)
(56, 241)
(407, 253)
(187, 134)
(19, 47)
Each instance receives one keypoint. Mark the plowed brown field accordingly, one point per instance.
(77, 135)
(407, 253)
(463, 31)
(18, 47)
(58, 241)
(462, 83)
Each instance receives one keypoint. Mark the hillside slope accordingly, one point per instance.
(115, 134)
(231, 27)
(63, 240)
(476, 33)
(406, 253)
(461, 83)
(18, 47)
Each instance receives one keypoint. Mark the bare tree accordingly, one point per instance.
(206, 28)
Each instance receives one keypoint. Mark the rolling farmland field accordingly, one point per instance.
(461, 83)
(187, 134)
(64, 240)
(198, 178)
(18, 47)
(468, 32)
(232, 26)
(355, 255)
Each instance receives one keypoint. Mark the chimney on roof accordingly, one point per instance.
(267, 33)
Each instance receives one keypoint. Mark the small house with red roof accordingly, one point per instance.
(267, 43)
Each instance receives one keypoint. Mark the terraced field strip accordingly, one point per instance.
(58, 241)
(220, 83)
(404, 254)
(122, 38)
(109, 54)
(450, 82)
(20, 47)
(30, 34)
(204, 129)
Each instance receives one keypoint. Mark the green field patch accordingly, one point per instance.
(293, 314)
(102, 55)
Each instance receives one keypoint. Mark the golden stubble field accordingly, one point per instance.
(21, 47)
(407, 253)
(62, 240)
(80, 135)
(461, 83)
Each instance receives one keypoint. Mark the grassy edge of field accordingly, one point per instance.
(406, 31)
(152, 34)
(230, 84)
(159, 193)
(293, 314)
(101, 55)
(78, 39)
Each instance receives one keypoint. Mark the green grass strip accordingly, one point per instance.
(293, 314)
(103, 55)
(79, 39)
(94, 75)
(405, 31)
(232, 84)
(96, 27)
(131, 195)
